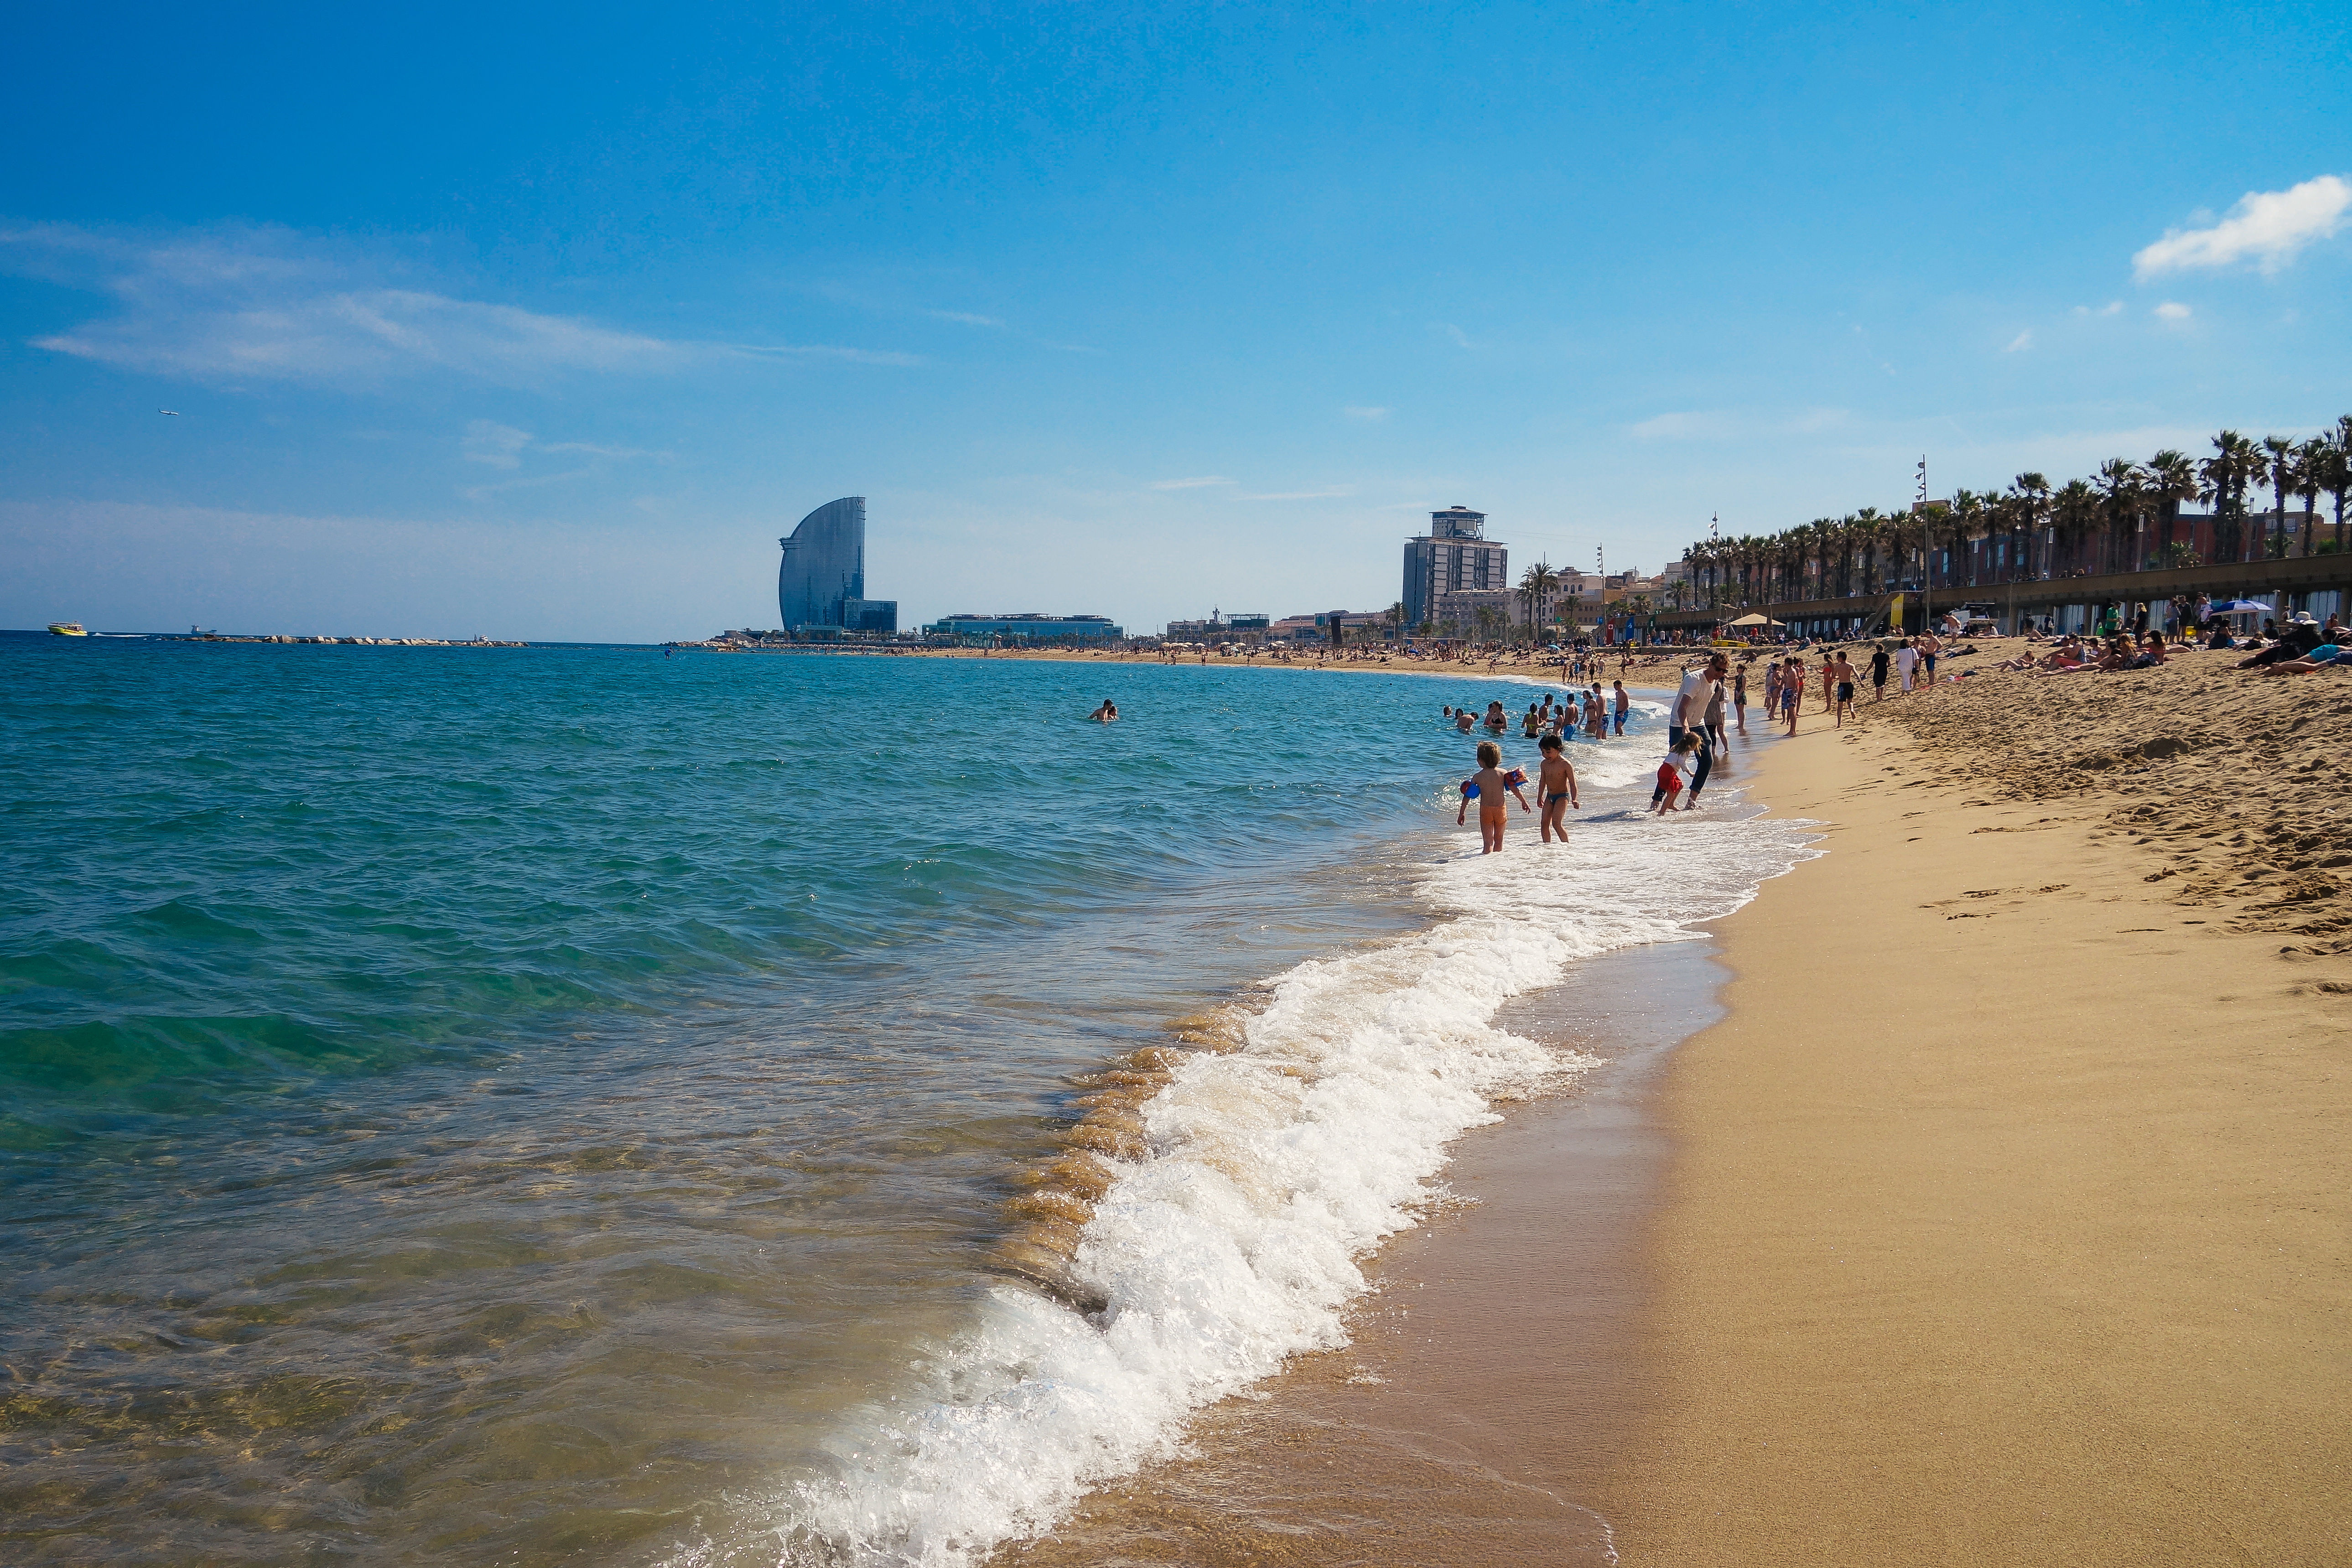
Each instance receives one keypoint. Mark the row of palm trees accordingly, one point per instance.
(2126, 518)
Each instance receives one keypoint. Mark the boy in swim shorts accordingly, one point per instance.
(1792, 692)
(1491, 787)
(1557, 786)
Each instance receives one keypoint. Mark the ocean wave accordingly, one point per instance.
(1231, 1231)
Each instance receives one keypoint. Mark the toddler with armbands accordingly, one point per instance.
(1487, 787)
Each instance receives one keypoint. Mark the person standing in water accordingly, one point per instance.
(1793, 691)
(1106, 714)
(1491, 785)
(1557, 786)
(1623, 703)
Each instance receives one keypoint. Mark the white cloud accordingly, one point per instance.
(2270, 227)
(819, 350)
(1302, 495)
(1461, 339)
(2112, 308)
(1675, 427)
(2172, 310)
(1194, 484)
(499, 446)
(1357, 411)
(2023, 341)
(240, 303)
(965, 316)
(484, 492)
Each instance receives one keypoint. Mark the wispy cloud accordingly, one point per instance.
(496, 446)
(1676, 427)
(1302, 495)
(2172, 310)
(1460, 339)
(483, 492)
(2268, 227)
(1202, 482)
(966, 317)
(240, 303)
(1356, 411)
(2112, 308)
(820, 351)
(2020, 343)
(499, 446)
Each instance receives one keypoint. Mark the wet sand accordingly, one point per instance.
(1492, 1372)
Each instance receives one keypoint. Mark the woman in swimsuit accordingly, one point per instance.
(1739, 698)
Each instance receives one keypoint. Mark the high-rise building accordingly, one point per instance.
(821, 585)
(1453, 556)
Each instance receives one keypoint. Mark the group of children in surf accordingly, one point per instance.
(1591, 711)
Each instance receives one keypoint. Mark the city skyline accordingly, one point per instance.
(1132, 312)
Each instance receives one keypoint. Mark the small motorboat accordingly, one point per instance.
(68, 628)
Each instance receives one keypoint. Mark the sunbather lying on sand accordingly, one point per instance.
(2326, 655)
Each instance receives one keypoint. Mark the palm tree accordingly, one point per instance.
(2310, 459)
(2120, 493)
(2171, 479)
(1396, 621)
(2033, 495)
(2336, 471)
(1536, 587)
(2226, 474)
(2276, 464)
(2074, 510)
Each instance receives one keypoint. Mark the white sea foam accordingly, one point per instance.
(1274, 1170)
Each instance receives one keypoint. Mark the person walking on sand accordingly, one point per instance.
(1906, 659)
(1878, 663)
(1793, 691)
(1840, 673)
(1487, 787)
(1556, 785)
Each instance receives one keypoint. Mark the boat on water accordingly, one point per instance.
(68, 628)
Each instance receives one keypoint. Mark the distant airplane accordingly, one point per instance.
(172, 412)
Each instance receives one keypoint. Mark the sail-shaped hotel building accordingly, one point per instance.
(821, 586)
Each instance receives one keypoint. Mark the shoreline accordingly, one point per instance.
(2006, 1216)
(1492, 1365)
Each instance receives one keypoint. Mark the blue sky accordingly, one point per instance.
(547, 322)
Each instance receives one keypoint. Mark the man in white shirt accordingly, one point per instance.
(1700, 686)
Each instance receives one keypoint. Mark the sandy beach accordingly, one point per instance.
(1994, 1211)
(2007, 1219)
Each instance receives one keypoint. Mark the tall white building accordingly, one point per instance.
(1453, 556)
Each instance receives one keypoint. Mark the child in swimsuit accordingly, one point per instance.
(1677, 764)
(1557, 784)
(1490, 784)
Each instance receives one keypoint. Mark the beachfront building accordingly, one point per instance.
(1221, 627)
(1454, 556)
(821, 582)
(1029, 626)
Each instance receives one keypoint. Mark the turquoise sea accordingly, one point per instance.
(561, 1104)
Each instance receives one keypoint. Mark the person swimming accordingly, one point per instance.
(1107, 713)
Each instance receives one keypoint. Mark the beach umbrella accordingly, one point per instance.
(2243, 607)
(1759, 619)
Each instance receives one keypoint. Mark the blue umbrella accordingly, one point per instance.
(2243, 607)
